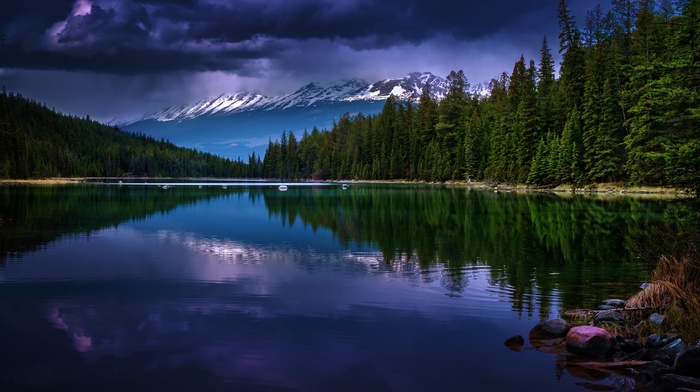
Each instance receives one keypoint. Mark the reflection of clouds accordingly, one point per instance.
(231, 344)
(82, 342)
(293, 349)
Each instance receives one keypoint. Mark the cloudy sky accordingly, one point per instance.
(121, 58)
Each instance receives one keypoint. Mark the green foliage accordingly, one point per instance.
(36, 142)
(626, 108)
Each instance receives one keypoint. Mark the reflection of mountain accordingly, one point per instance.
(31, 217)
(536, 245)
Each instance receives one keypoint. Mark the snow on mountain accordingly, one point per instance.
(314, 93)
(219, 105)
(407, 88)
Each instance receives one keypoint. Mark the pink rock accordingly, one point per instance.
(589, 341)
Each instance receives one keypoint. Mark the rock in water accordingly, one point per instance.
(551, 329)
(589, 341)
(515, 343)
(618, 303)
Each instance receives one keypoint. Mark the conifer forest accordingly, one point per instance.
(37, 142)
(625, 107)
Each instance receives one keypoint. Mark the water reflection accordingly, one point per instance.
(315, 288)
(537, 244)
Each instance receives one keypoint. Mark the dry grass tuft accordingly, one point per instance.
(657, 295)
(675, 291)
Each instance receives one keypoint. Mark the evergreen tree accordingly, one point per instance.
(450, 128)
(547, 108)
(573, 59)
(426, 119)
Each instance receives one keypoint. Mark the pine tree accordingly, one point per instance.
(547, 108)
(450, 128)
(538, 169)
(573, 59)
(473, 147)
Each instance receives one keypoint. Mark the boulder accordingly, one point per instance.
(551, 329)
(609, 315)
(652, 372)
(657, 319)
(656, 341)
(589, 341)
(628, 346)
(515, 343)
(688, 362)
(667, 353)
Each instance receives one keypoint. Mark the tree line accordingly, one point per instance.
(37, 142)
(625, 108)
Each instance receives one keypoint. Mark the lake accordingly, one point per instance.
(378, 287)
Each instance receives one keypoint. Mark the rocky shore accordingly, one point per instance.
(606, 341)
(601, 189)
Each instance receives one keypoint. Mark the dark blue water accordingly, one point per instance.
(374, 288)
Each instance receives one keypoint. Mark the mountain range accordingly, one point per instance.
(235, 125)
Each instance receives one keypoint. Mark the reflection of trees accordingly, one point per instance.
(31, 217)
(539, 247)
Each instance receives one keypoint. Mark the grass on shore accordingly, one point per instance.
(675, 290)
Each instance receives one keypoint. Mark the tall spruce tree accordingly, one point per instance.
(547, 108)
(450, 128)
(573, 59)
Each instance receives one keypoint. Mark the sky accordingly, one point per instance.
(116, 60)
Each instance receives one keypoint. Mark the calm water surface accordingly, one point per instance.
(373, 288)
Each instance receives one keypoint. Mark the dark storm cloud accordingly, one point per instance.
(144, 36)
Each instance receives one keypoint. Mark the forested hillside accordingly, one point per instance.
(625, 108)
(38, 142)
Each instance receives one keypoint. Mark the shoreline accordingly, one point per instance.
(610, 189)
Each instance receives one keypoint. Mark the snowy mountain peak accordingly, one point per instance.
(407, 88)
(219, 105)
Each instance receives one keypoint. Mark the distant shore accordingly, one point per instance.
(594, 189)
(42, 181)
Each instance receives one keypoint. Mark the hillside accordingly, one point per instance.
(37, 142)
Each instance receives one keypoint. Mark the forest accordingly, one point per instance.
(625, 107)
(37, 142)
